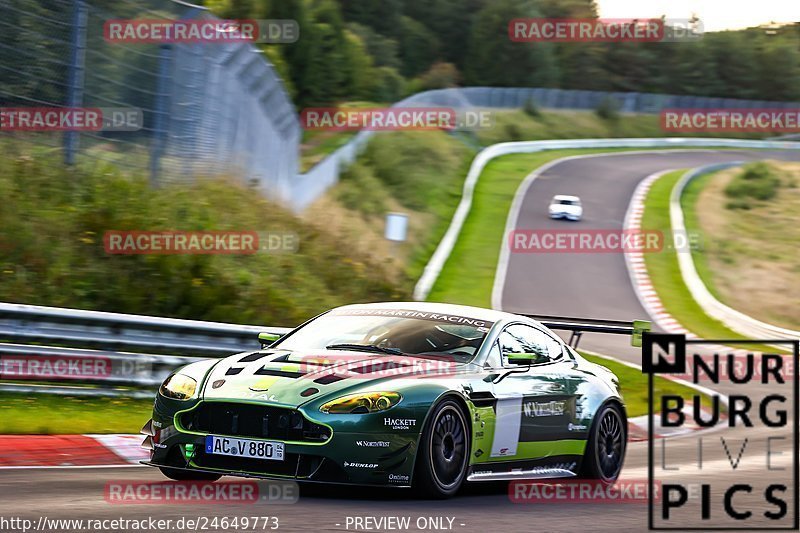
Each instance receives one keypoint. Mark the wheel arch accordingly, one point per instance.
(461, 401)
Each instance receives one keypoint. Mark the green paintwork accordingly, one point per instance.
(266, 338)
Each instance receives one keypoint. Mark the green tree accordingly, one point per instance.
(418, 47)
(382, 49)
(496, 60)
(387, 85)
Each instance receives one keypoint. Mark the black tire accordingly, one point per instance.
(188, 475)
(443, 454)
(605, 451)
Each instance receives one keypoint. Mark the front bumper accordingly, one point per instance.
(333, 451)
(561, 214)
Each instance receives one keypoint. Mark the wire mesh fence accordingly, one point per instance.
(206, 108)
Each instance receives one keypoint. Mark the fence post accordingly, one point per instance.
(159, 138)
(76, 73)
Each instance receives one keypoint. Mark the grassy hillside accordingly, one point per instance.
(51, 233)
(751, 264)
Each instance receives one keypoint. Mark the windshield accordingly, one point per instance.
(569, 202)
(412, 333)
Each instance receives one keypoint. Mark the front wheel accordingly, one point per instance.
(443, 452)
(188, 475)
(605, 451)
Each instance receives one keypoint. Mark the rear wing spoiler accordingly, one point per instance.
(579, 326)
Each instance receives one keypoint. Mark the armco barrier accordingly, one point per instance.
(33, 323)
(445, 247)
(735, 320)
(105, 371)
(30, 363)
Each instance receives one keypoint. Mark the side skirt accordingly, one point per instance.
(550, 468)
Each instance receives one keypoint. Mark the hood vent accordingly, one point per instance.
(279, 373)
(232, 371)
(255, 356)
(328, 379)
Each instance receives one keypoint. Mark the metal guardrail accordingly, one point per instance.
(735, 320)
(33, 323)
(436, 263)
(104, 370)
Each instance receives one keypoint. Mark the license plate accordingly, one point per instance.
(252, 449)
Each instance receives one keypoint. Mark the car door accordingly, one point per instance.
(537, 404)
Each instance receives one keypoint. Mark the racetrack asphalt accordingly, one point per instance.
(594, 285)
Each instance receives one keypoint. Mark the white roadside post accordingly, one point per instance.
(396, 230)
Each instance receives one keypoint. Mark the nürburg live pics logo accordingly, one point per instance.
(725, 451)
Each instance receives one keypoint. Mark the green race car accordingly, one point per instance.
(398, 394)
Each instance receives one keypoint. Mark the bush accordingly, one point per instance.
(439, 76)
(608, 109)
(51, 238)
(513, 132)
(531, 108)
(387, 85)
(359, 190)
(420, 169)
(757, 181)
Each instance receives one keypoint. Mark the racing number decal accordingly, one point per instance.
(534, 419)
(507, 427)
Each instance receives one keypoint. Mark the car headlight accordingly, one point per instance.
(362, 403)
(178, 387)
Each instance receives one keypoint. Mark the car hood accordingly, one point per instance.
(282, 376)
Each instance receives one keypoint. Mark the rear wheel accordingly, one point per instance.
(443, 452)
(188, 475)
(605, 451)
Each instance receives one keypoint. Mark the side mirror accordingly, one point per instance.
(266, 338)
(524, 358)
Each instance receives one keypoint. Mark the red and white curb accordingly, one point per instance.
(637, 426)
(635, 261)
(22, 451)
(637, 270)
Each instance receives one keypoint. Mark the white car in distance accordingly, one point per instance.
(564, 206)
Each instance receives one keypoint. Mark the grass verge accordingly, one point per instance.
(43, 414)
(665, 274)
(634, 385)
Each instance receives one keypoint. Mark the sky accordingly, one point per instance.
(715, 14)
